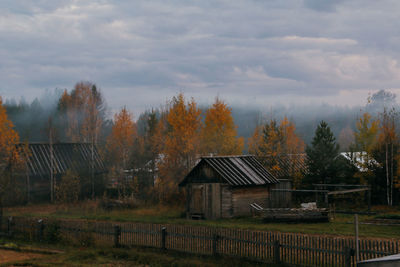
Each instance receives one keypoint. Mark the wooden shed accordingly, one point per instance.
(225, 186)
(44, 159)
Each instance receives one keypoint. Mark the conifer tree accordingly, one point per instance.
(322, 156)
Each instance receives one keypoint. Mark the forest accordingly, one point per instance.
(148, 154)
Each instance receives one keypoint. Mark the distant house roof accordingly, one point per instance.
(66, 156)
(236, 170)
(359, 159)
(289, 164)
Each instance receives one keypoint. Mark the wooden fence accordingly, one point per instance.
(290, 248)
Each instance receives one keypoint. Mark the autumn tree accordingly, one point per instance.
(219, 136)
(83, 111)
(366, 138)
(177, 140)
(272, 142)
(120, 144)
(8, 153)
(386, 150)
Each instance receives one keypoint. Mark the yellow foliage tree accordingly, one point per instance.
(219, 135)
(178, 141)
(366, 136)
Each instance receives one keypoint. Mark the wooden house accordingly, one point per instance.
(225, 186)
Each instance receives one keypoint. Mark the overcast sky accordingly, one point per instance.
(141, 53)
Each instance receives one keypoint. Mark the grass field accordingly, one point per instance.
(340, 224)
(73, 256)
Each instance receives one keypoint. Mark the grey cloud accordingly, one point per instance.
(149, 50)
(322, 5)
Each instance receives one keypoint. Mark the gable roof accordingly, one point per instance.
(66, 156)
(236, 170)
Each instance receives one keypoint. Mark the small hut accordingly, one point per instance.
(226, 186)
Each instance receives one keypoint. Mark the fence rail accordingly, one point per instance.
(291, 248)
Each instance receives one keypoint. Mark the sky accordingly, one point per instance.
(251, 53)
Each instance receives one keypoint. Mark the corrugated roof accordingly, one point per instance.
(66, 156)
(289, 164)
(238, 170)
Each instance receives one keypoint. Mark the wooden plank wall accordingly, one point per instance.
(243, 197)
(290, 248)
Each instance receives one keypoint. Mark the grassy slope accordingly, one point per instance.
(340, 225)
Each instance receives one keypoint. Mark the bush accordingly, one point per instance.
(69, 188)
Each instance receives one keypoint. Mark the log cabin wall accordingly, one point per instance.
(242, 197)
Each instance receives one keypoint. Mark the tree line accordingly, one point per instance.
(149, 156)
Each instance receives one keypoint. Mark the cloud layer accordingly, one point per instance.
(142, 52)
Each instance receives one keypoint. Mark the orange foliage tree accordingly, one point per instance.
(8, 152)
(120, 146)
(219, 135)
(122, 138)
(274, 141)
(178, 142)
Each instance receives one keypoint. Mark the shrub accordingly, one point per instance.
(69, 188)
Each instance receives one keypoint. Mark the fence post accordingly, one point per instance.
(277, 257)
(1, 217)
(9, 226)
(40, 228)
(163, 238)
(214, 244)
(117, 234)
(356, 237)
(348, 252)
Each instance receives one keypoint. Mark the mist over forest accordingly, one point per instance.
(31, 118)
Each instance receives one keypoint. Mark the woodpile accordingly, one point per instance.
(295, 215)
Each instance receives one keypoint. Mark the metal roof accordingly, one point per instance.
(289, 164)
(66, 156)
(238, 170)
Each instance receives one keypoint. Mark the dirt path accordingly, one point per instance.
(11, 256)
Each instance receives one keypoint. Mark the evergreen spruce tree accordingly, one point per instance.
(321, 157)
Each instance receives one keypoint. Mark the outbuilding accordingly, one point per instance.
(226, 186)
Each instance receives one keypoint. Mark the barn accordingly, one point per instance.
(44, 160)
(225, 186)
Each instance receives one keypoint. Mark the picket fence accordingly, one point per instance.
(263, 246)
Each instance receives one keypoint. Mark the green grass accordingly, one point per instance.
(73, 256)
(340, 225)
